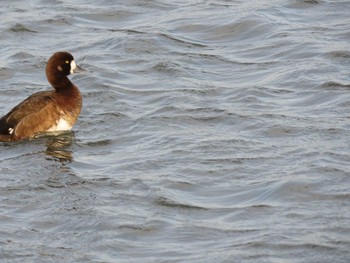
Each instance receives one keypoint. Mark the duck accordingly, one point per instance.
(46, 111)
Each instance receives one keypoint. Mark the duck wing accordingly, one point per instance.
(30, 116)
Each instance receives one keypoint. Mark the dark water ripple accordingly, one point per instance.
(212, 131)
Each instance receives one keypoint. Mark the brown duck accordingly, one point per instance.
(46, 111)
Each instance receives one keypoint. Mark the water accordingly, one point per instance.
(211, 131)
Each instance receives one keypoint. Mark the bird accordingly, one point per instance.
(46, 111)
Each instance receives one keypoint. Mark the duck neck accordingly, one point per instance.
(60, 83)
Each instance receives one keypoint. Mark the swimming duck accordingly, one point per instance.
(46, 111)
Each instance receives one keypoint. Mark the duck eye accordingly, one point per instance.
(67, 61)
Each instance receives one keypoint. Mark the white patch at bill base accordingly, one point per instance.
(73, 66)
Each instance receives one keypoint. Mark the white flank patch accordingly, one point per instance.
(73, 66)
(62, 125)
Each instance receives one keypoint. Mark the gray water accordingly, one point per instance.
(211, 131)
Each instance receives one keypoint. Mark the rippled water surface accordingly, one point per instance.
(211, 131)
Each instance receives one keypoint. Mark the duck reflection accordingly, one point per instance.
(58, 146)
